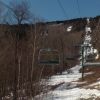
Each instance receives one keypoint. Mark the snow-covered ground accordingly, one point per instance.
(67, 83)
(69, 89)
(69, 29)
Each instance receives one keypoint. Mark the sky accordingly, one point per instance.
(50, 10)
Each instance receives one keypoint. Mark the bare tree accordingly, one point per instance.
(21, 11)
(2, 10)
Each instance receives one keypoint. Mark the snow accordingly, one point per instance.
(90, 50)
(88, 29)
(88, 20)
(97, 56)
(74, 75)
(96, 83)
(68, 90)
(68, 80)
(75, 94)
(69, 28)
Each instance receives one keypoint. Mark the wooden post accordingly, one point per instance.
(15, 70)
(82, 62)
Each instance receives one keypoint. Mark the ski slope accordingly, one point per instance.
(69, 89)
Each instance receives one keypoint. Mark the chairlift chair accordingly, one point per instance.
(90, 53)
(90, 58)
(48, 56)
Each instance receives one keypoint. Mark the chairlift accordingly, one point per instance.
(91, 54)
(90, 57)
(48, 56)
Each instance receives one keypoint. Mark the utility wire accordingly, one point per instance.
(78, 7)
(8, 11)
(6, 5)
(74, 8)
(63, 10)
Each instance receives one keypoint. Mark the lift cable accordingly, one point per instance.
(63, 10)
(9, 10)
(6, 5)
(78, 7)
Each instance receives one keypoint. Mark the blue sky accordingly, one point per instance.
(50, 9)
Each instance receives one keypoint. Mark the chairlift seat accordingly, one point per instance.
(48, 56)
(90, 57)
(49, 62)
